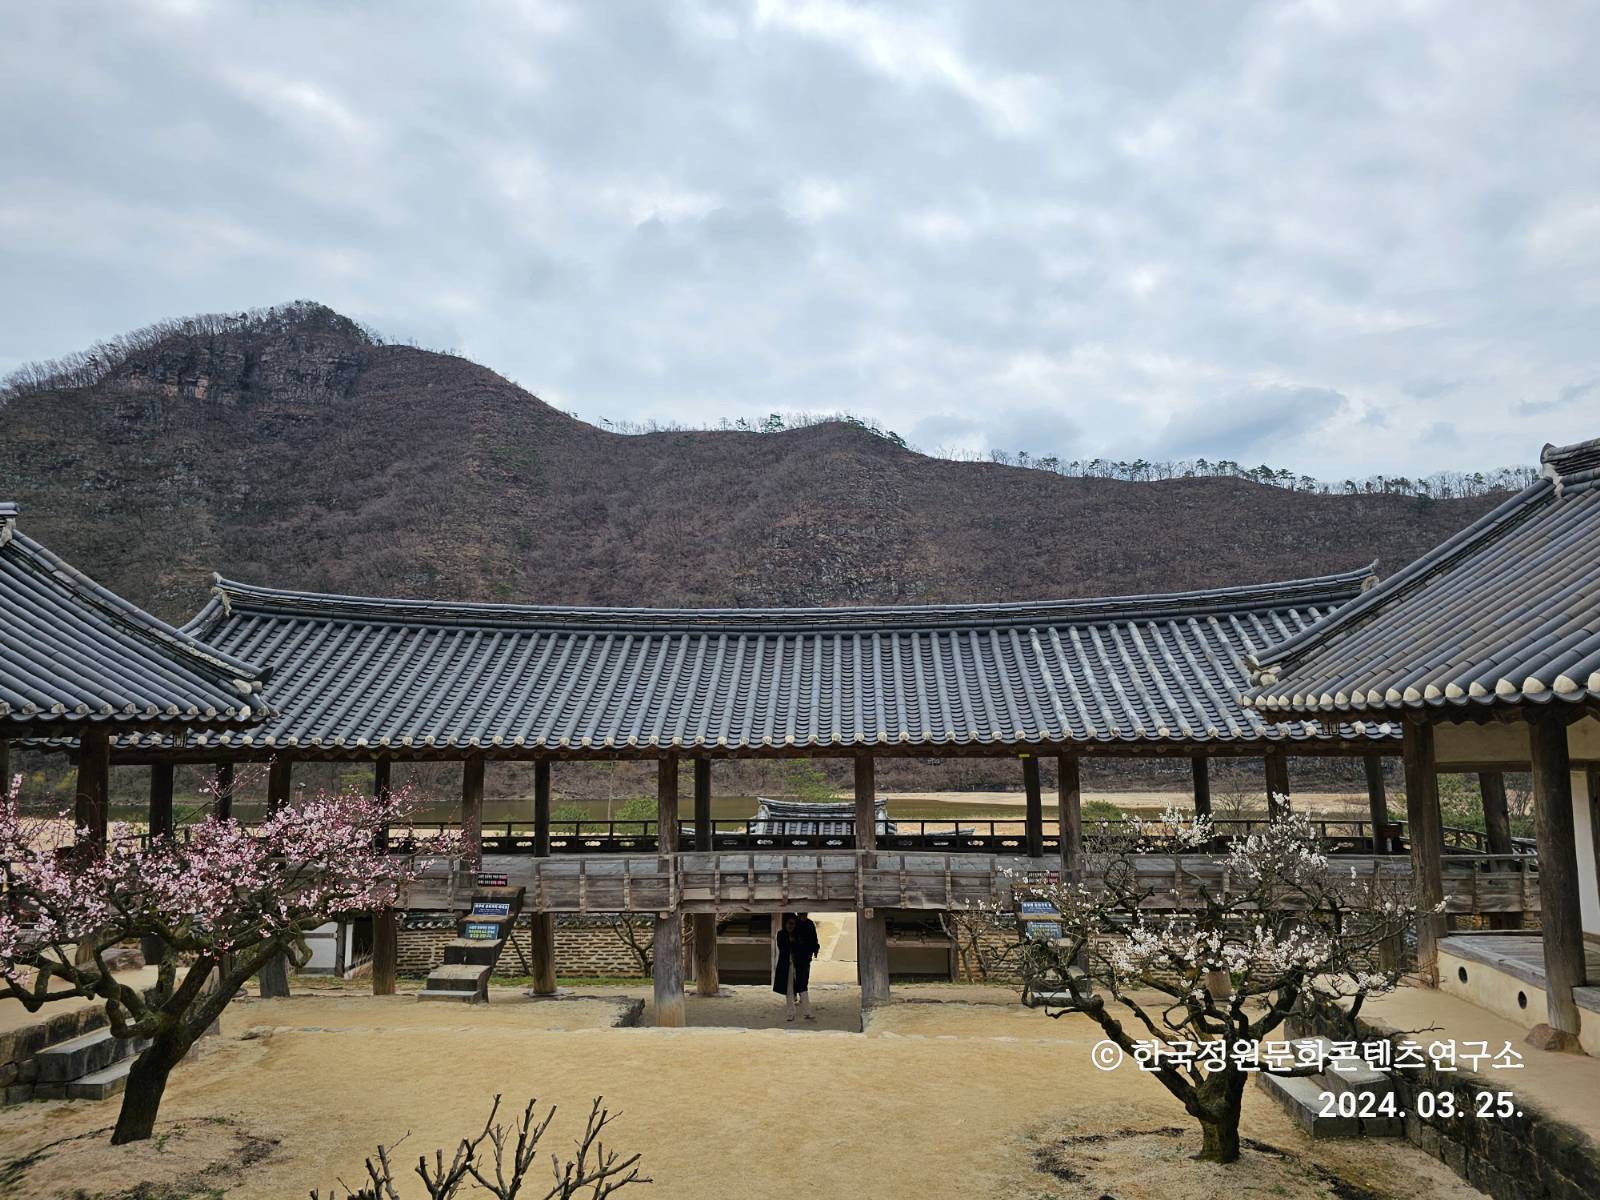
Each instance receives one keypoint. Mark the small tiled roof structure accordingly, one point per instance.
(73, 654)
(359, 676)
(1505, 614)
(800, 818)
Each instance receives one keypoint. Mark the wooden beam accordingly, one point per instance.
(1277, 764)
(472, 810)
(872, 927)
(1377, 804)
(1069, 805)
(706, 980)
(1033, 818)
(1202, 785)
(161, 777)
(1560, 916)
(666, 963)
(222, 800)
(1426, 830)
(91, 805)
(385, 951)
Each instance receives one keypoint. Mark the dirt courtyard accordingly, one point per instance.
(951, 1092)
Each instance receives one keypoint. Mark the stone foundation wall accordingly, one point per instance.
(1532, 1156)
(585, 945)
(18, 1047)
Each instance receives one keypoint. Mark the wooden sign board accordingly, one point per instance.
(479, 931)
(491, 879)
(491, 908)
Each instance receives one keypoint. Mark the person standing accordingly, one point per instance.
(791, 979)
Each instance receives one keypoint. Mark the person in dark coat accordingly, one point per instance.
(797, 946)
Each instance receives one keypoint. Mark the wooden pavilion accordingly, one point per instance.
(80, 663)
(1486, 651)
(385, 680)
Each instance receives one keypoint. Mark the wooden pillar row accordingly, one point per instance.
(1425, 829)
(1033, 823)
(872, 927)
(667, 960)
(542, 925)
(1560, 916)
(706, 981)
(385, 922)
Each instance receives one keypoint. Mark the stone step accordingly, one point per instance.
(472, 952)
(1301, 1097)
(99, 1085)
(456, 997)
(1346, 1074)
(84, 1055)
(459, 977)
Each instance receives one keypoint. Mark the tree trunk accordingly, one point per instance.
(147, 1081)
(1220, 1139)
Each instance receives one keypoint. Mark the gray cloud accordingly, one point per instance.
(1253, 231)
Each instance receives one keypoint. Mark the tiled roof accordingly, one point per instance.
(804, 818)
(354, 675)
(1505, 613)
(73, 653)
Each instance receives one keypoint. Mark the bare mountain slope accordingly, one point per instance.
(303, 454)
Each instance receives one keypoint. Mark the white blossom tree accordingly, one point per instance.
(1227, 962)
(222, 901)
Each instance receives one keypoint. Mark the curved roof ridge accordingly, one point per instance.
(1336, 588)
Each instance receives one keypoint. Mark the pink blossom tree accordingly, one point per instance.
(1228, 960)
(222, 902)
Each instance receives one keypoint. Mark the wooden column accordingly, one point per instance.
(5, 767)
(1069, 803)
(706, 982)
(1033, 823)
(1377, 803)
(385, 950)
(385, 922)
(1496, 816)
(872, 928)
(472, 811)
(1277, 764)
(1202, 785)
(667, 961)
(542, 925)
(161, 776)
(1560, 916)
(91, 805)
(222, 801)
(1425, 829)
(273, 978)
(278, 781)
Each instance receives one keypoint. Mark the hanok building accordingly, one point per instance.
(384, 680)
(1486, 650)
(78, 662)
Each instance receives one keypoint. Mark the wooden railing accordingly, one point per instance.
(767, 881)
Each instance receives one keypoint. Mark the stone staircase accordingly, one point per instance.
(1301, 1096)
(480, 937)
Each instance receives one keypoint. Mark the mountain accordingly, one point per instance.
(293, 448)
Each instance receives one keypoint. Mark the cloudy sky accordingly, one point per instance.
(1336, 237)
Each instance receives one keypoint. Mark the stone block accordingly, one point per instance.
(1558, 1041)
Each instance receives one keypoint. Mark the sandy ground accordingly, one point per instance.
(952, 1092)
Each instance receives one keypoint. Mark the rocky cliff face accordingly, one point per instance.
(290, 448)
